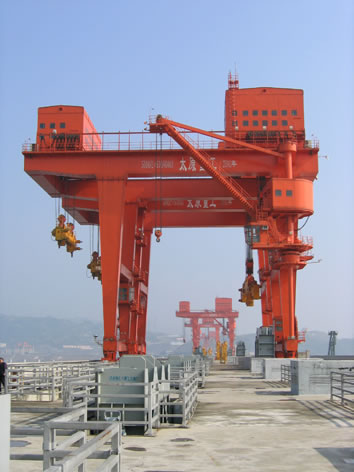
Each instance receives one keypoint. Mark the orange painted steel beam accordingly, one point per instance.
(159, 126)
(205, 162)
(111, 194)
(175, 163)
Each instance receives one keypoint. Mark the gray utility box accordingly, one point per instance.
(264, 345)
(132, 388)
(240, 349)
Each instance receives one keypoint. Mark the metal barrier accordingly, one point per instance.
(342, 387)
(44, 379)
(58, 458)
(144, 140)
(165, 401)
(77, 393)
(180, 401)
(285, 374)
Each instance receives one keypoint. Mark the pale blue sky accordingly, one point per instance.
(121, 59)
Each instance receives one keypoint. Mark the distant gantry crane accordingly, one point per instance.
(223, 318)
(256, 174)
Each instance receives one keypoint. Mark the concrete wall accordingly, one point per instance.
(240, 362)
(313, 376)
(272, 368)
(5, 405)
(257, 365)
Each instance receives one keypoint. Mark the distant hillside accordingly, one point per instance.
(47, 331)
(48, 335)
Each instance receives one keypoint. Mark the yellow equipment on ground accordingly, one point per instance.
(223, 359)
(218, 351)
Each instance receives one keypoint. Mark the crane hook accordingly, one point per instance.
(158, 234)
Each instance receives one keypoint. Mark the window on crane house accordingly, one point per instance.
(255, 122)
(284, 112)
(235, 123)
(274, 112)
(245, 112)
(62, 125)
(294, 112)
(284, 122)
(234, 112)
(255, 112)
(274, 123)
(245, 123)
(278, 193)
(264, 122)
(289, 193)
(42, 125)
(52, 125)
(264, 112)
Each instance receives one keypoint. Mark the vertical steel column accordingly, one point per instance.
(128, 256)
(145, 266)
(111, 195)
(264, 277)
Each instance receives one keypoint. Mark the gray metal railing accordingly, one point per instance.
(44, 380)
(178, 404)
(85, 393)
(342, 387)
(63, 458)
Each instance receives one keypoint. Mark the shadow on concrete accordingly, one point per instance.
(342, 458)
(277, 392)
(328, 411)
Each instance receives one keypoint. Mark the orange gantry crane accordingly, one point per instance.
(223, 317)
(258, 174)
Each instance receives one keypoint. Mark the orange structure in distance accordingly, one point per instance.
(255, 176)
(222, 318)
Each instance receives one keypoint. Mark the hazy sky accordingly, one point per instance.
(120, 59)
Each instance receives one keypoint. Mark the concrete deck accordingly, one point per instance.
(241, 423)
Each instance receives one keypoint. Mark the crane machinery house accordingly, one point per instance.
(65, 128)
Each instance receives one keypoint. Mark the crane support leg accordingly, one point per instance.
(266, 294)
(289, 261)
(145, 267)
(232, 328)
(126, 290)
(195, 334)
(277, 312)
(111, 195)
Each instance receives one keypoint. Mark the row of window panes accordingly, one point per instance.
(256, 123)
(51, 125)
(265, 112)
(288, 193)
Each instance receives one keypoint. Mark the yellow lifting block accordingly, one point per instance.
(95, 266)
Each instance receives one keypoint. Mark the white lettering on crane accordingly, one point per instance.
(156, 164)
(192, 164)
(183, 165)
(212, 159)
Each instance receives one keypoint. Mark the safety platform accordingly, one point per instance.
(241, 419)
